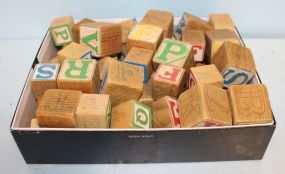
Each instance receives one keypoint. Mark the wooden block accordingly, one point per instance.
(76, 28)
(131, 114)
(104, 39)
(168, 81)
(127, 26)
(124, 52)
(34, 123)
(74, 51)
(57, 108)
(161, 19)
(205, 74)
(165, 113)
(44, 78)
(147, 97)
(174, 53)
(123, 82)
(199, 64)
(191, 22)
(93, 111)
(56, 59)
(198, 42)
(60, 30)
(204, 105)
(216, 38)
(141, 57)
(80, 75)
(236, 64)
(103, 67)
(145, 36)
(250, 104)
(222, 21)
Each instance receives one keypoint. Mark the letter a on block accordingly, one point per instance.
(90, 36)
(141, 116)
(173, 52)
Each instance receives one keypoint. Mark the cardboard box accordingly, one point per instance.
(87, 145)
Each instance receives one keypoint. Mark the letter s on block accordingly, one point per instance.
(232, 77)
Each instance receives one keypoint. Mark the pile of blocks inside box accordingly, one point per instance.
(148, 74)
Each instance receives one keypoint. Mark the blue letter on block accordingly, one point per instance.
(46, 71)
(235, 79)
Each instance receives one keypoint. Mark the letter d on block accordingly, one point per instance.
(77, 72)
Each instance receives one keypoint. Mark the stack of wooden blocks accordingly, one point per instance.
(150, 74)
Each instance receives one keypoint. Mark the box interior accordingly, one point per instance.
(27, 105)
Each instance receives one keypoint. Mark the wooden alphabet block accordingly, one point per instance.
(161, 19)
(197, 39)
(216, 38)
(60, 30)
(34, 123)
(104, 39)
(174, 53)
(131, 114)
(236, 64)
(168, 81)
(76, 29)
(123, 82)
(145, 36)
(93, 111)
(191, 22)
(80, 75)
(250, 104)
(165, 113)
(127, 26)
(44, 78)
(103, 67)
(199, 64)
(57, 108)
(141, 57)
(74, 51)
(204, 105)
(222, 21)
(147, 97)
(205, 74)
(56, 59)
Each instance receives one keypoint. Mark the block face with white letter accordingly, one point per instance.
(93, 111)
(165, 113)
(61, 30)
(197, 39)
(250, 104)
(145, 36)
(44, 78)
(236, 63)
(204, 105)
(80, 75)
(168, 80)
(174, 53)
(131, 114)
(104, 39)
